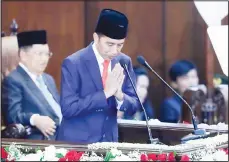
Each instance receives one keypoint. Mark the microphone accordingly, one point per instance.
(197, 133)
(151, 140)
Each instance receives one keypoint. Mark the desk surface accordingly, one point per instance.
(169, 126)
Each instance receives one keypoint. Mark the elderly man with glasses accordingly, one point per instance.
(30, 96)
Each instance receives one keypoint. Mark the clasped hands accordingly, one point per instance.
(114, 82)
(45, 124)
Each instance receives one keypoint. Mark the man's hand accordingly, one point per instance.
(114, 79)
(45, 124)
(119, 94)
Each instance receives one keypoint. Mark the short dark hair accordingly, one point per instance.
(180, 68)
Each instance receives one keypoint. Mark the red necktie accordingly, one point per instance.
(105, 71)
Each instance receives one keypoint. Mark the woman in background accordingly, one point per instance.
(142, 85)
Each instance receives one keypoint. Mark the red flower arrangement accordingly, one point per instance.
(72, 156)
(171, 157)
(144, 157)
(185, 158)
(4, 154)
(152, 157)
(158, 157)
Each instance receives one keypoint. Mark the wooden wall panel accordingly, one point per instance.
(161, 35)
(64, 22)
(225, 20)
(199, 42)
(180, 35)
(144, 38)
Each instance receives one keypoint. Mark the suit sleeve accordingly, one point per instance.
(168, 113)
(12, 96)
(71, 102)
(130, 104)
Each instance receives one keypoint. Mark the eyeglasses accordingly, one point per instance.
(49, 54)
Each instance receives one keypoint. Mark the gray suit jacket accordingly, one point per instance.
(21, 98)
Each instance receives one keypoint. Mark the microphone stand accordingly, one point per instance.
(197, 133)
(151, 139)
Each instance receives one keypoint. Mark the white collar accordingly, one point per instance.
(32, 75)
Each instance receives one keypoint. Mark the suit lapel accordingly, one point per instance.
(38, 96)
(93, 67)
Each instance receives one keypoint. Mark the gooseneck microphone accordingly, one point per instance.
(151, 140)
(197, 133)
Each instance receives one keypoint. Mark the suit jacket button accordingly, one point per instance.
(107, 118)
(104, 135)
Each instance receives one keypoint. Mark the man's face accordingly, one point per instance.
(107, 47)
(186, 81)
(36, 58)
(142, 87)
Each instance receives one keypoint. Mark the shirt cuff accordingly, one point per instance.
(32, 119)
(119, 103)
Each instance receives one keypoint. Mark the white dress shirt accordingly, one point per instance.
(100, 61)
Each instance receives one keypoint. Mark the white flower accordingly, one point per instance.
(207, 158)
(14, 152)
(116, 152)
(49, 153)
(92, 157)
(135, 155)
(220, 156)
(30, 157)
(62, 151)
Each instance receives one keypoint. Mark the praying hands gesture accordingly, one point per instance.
(114, 83)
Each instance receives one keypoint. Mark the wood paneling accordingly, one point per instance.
(184, 36)
(199, 41)
(225, 20)
(64, 22)
(161, 35)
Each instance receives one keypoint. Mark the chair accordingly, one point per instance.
(210, 106)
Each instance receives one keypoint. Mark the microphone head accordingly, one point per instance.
(141, 60)
(122, 62)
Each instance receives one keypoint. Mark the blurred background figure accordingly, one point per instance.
(183, 75)
(9, 55)
(10, 61)
(142, 85)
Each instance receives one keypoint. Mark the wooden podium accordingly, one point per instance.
(168, 133)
